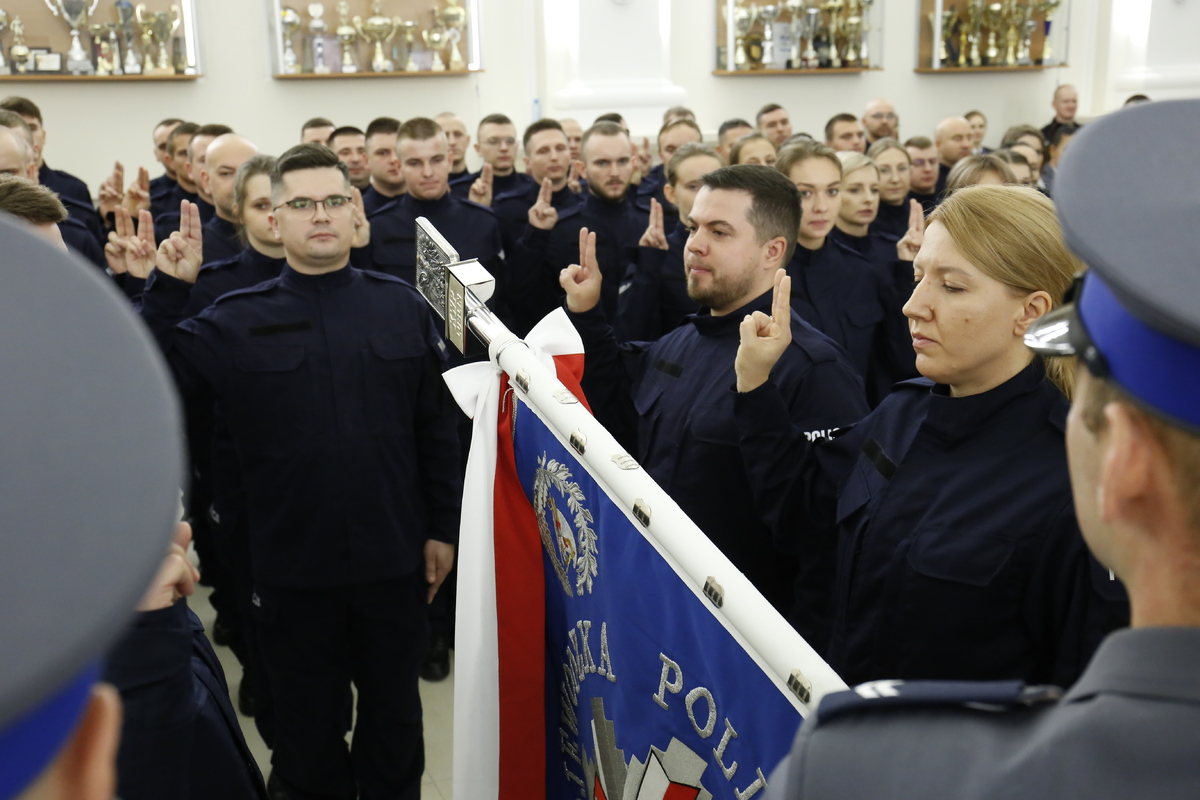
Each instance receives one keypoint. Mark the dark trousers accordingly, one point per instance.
(314, 643)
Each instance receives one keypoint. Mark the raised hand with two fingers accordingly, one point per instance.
(137, 196)
(130, 250)
(481, 189)
(543, 215)
(764, 339)
(582, 281)
(655, 235)
(908, 247)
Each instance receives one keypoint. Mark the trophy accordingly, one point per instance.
(125, 17)
(812, 22)
(768, 14)
(348, 35)
(289, 23)
(315, 41)
(1048, 7)
(864, 57)
(4, 68)
(949, 18)
(454, 17)
(1025, 53)
(436, 39)
(795, 9)
(379, 30)
(75, 14)
(834, 8)
(410, 45)
(993, 18)
(853, 29)
(975, 21)
(158, 27)
(743, 21)
(102, 51)
(19, 52)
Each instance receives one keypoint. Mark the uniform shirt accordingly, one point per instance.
(82, 241)
(221, 240)
(64, 184)
(618, 227)
(958, 552)
(1130, 727)
(161, 189)
(842, 295)
(892, 219)
(168, 222)
(346, 435)
(652, 187)
(77, 199)
(512, 209)
(180, 737)
(1053, 125)
(671, 403)
(373, 200)
(654, 299)
(939, 190)
(928, 201)
(460, 187)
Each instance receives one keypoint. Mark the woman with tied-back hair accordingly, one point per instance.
(855, 226)
(959, 556)
(754, 148)
(988, 169)
(895, 182)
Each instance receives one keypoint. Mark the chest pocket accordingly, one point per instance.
(959, 556)
(273, 403)
(392, 372)
(713, 424)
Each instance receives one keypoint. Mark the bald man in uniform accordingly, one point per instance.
(225, 154)
(953, 139)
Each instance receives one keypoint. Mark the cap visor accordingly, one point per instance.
(1059, 333)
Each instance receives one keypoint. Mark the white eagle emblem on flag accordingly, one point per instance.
(568, 538)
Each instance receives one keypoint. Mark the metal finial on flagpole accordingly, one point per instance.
(457, 290)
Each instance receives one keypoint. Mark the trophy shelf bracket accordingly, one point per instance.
(307, 76)
(752, 73)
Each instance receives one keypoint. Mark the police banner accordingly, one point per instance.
(605, 648)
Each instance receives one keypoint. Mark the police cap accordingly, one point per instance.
(1132, 214)
(90, 470)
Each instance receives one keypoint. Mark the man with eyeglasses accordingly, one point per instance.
(924, 178)
(497, 144)
(880, 121)
(328, 379)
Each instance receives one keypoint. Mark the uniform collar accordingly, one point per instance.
(959, 417)
(317, 283)
(1148, 662)
(426, 206)
(727, 325)
(222, 226)
(607, 208)
(257, 259)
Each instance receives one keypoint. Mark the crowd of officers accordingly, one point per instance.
(893, 479)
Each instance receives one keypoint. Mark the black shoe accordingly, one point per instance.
(246, 699)
(437, 661)
(222, 633)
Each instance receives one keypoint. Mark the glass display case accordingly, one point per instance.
(798, 37)
(375, 38)
(98, 40)
(997, 36)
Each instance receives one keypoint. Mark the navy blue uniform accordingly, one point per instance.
(958, 552)
(839, 293)
(618, 227)
(512, 209)
(928, 201)
(460, 186)
(331, 389)
(892, 219)
(373, 200)
(161, 190)
(77, 199)
(168, 222)
(221, 240)
(652, 187)
(81, 240)
(654, 299)
(180, 737)
(671, 403)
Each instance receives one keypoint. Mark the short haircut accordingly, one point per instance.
(767, 109)
(1010, 156)
(681, 122)
(774, 201)
(678, 112)
(13, 120)
(183, 129)
(881, 146)
(611, 116)
(800, 152)
(214, 130)
(735, 152)
(602, 128)
(974, 112)
(21, 105)
(419, 129)
(255, 166)
(834, 120)
(1013, 134)
(970, 170)
(686, 151)
(494, 119)
(345, 130)
(1059, 88)
(168, 121)
(30, 201)
(544, 124)
(317, 122)
(919, 142)
(312, 155)
(1062, 132)
(730, 124)
(383, 125)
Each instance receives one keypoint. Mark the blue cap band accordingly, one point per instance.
(1161, 372)
(29, 744)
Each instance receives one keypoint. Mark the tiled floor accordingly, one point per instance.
(437, 699)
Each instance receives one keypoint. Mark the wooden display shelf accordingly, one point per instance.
(55, 77)
(304, 76)
(952, 70)
(742, 73)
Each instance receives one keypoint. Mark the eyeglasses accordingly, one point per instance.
(334, 205)
(880, 115)
(497, 141)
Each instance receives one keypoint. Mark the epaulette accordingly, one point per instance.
(224, 263)
(388, 206)
(993, 696)
(520, 193)
(473, 204)
(466, 176)
(570, 212)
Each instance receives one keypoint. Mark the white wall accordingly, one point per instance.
(90, 125)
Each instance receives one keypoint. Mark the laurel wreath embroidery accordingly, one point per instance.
(552, 473)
